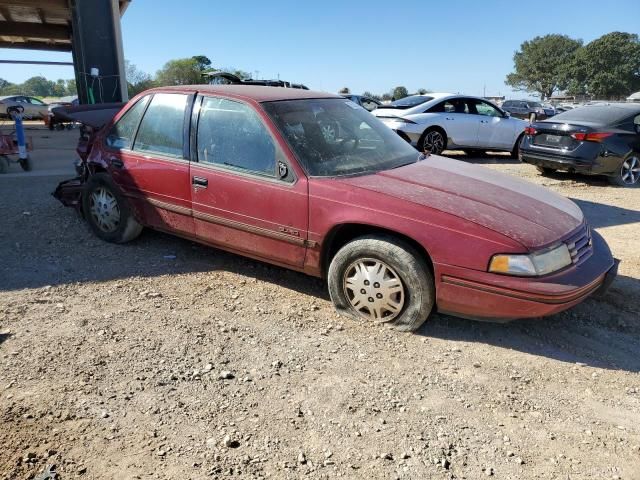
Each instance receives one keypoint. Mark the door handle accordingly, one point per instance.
(117, 163)
(484, 121)
(200, 182)
(449, 118)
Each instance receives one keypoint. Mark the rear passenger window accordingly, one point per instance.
(231, 134)
(121, 134)
(162, 128)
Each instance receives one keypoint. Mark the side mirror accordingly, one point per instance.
(506, 114)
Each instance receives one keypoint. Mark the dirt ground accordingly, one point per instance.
(163, 359)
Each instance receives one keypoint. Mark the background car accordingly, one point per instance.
(54, 121)
(33, 108)
(438, 121)
(598, 139)
(367, 103)
(528, 109)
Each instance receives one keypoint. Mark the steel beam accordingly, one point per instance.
(55, 47)
(97, 43)
(35, 30)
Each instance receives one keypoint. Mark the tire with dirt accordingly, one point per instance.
(107, 211)
(471, 152)
(433, 139)
(628, 174)
(381, 279)
(516, 147)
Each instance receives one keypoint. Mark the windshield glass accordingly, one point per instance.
(602, 114)
(334, 137)
(408, 102)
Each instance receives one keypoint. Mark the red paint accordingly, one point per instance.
(461, 214)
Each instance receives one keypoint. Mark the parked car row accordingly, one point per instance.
(254, 170)
(33, 108)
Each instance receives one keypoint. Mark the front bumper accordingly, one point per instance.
(486, 296)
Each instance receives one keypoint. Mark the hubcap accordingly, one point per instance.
(104, 210)
(374, 289)
(329, 133)
(630, 171)
(434, 142)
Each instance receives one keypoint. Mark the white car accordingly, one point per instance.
(33, 108)
(440, 121)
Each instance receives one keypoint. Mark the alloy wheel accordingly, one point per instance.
(630, 171)
(104, 209)
(374, 289)
(434, 142)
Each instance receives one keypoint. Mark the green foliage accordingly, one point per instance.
(39, 87)
(372, 95)
(423, 91)
(137, 80)
(203, 62)
(400, 92)
(182, 71)
(608, 67)
(344, 91)
(543, 65)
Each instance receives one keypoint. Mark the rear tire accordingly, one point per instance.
(628, 174)
(516, 147)
(25, 163)
(378, 278)
(107, 211)
(434, 139)
(4, 164)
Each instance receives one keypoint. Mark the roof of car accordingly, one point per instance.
(252, 92)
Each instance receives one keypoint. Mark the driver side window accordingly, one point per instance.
(487, 110)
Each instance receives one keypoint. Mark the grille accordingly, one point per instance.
(579, 244)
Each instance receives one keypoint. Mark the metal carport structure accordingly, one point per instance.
(89, 29)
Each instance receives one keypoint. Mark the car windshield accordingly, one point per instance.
(408, 102)
(335, 137)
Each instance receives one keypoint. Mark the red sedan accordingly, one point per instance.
(313, 182)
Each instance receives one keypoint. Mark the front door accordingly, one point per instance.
(152, 166)
(495, 129)
(245, 196)
(460, 125)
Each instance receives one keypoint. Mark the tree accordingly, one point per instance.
(4, 84)
(137, 80)
(423, 91)
(400, 92)
(543, 65)
(344, 91)
(204, 64)
(182, 71)
(38, 86)
(386, 96)
(71, 89)
(608, 67)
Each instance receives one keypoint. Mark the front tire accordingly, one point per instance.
(107, 211)
(381, 279)
(628, 174)
(434, 140)
(515, 151)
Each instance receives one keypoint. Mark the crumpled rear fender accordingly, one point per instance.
(69, 193)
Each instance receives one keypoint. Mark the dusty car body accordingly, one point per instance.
(395, 237)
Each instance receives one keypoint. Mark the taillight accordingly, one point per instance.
(530, 131)
(591, 137)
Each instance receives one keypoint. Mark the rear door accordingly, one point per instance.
(245, 195)
(149, 160)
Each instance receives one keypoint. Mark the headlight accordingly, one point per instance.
(535, 264)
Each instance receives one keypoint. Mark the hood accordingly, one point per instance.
(533, 216)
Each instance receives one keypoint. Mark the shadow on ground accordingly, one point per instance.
(592, 333)
(602, 215)
(4, 337)
(482, 159)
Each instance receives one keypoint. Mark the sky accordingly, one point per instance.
(447, 46)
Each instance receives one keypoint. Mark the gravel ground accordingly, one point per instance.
(165, 359)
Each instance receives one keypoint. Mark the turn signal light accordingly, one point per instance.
(530, 131)
(591, 137)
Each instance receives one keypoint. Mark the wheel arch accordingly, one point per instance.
(342, 234)
(431, 128)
